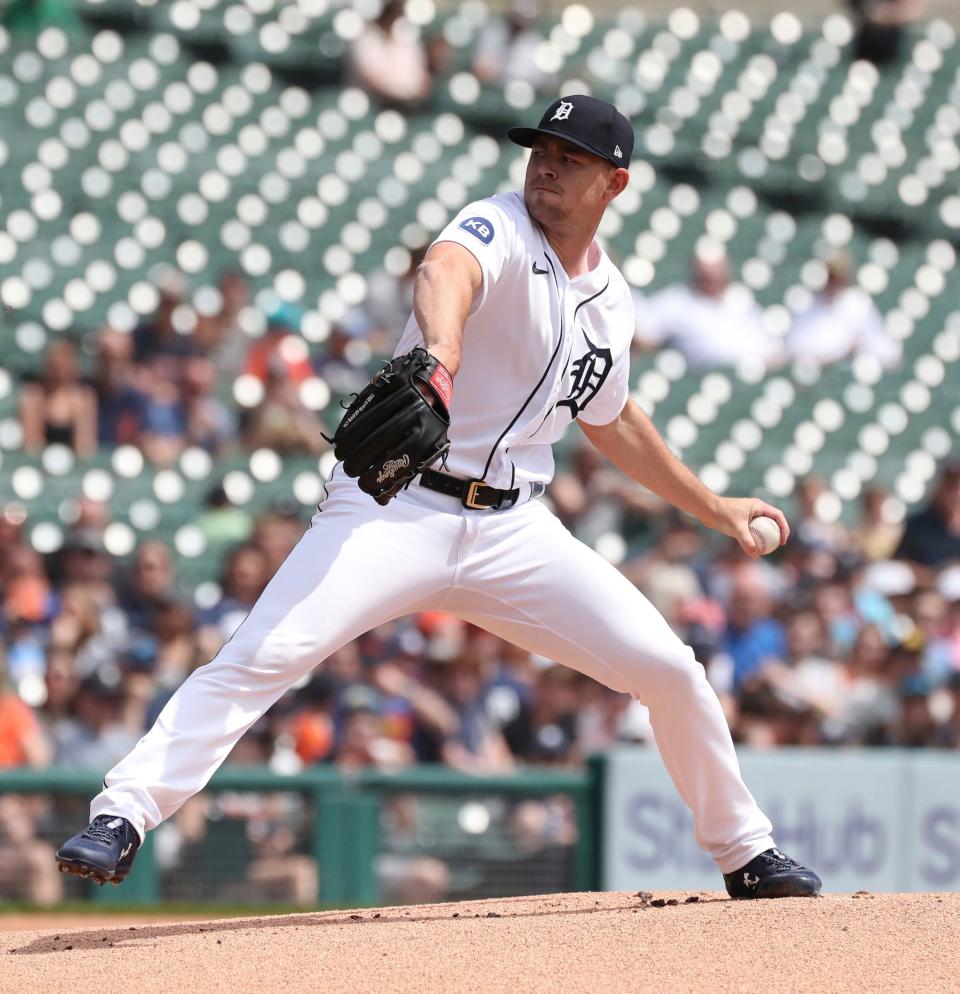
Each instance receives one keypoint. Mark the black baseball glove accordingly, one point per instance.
(397, 425)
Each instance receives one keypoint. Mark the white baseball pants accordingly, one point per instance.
(518, 573)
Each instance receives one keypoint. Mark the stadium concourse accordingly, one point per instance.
(210, 214)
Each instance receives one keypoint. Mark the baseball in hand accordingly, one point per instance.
(766, 533)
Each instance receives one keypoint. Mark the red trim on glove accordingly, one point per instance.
(442, 383)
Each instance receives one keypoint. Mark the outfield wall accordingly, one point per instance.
(876, 820)
(880, 820)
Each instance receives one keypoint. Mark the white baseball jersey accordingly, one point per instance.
(539, 348)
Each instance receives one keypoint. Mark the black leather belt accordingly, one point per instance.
(474, 494)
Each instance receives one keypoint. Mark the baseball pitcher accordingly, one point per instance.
(521, 325)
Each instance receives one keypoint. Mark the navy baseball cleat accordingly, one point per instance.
(771, 874)
(103, 851)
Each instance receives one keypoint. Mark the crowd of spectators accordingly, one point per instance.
(168, 385)
(172, 383)
(715, 323)
(848, 635)
(845, 636)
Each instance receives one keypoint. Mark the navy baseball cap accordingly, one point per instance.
(592, 124)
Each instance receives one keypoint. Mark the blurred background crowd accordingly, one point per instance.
(211, 215)
(849, 635)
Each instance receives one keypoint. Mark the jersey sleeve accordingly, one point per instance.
(488, 233)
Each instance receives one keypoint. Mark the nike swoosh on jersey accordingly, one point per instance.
(540, 272)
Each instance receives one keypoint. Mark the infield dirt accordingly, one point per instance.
(593, 943)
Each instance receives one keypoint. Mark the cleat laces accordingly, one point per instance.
(777, 860)
(100, 830)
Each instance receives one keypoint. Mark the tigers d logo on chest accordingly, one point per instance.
(589, 373)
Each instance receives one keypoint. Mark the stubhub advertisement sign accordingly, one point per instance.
(883, 820)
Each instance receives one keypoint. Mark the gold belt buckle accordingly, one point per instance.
(471, 499)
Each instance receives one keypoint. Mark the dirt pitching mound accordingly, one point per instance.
(559, 943)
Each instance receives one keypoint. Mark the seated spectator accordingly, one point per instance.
(91, 515)
(83, 564)
(915, 727)
(27, 594)
(389, 59)
(275, 533)
(29, 602)
(97, 740)
(311, 723)
(151, 584)
(159, 335)
(546, 732)
(931, 537)
(81, 559)
(280, 352)
(841, 323)
(930, 611)
(61, 683)
(222, 522)
(118, 400)
(810, 527)
(476, 747)
(877, 535)
(837, 604)
(719, 573)
(881, 27)
(281, 421)
(754, 638)
(411, 711)
(871, 703)
(176, 651)
(243, 579)
(344, 363)
(361, 740)
(591, 497)
(209, 424)
(709, 321)
(809, 683)
(219, 335)
(77, 628)
(12, 521)
(603, 718)
(22, 740)
(667, 573)
(59, 407)
(507, 48)
(163, 415)
(513, 675)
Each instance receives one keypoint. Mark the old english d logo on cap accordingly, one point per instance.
(594, 125)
